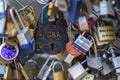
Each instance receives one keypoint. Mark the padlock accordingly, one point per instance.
(82, 43)
(77, 71)
(89, 77)
(83, 24)
(44, 16)
(94, 61)
(2, 70)
(28, 13)
(71, 53)
(58, 71)
(106, 10)
(105, 33)
(107, 68)
(98, 42)
(74, 10)
(24, 36)
(62, 5)
(45, 70)
(42, 1)
(20, 67)
(8, 52)
(52, 9)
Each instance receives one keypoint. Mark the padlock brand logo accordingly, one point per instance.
(53, 35)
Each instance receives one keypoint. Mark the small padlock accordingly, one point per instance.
(62, 5)
(74, 10)
(82, 43)
(89, 77)
(83, 24)
(58, 71)
(45, 70)
(24, 36)
(107, 68)
(28, 13)
(72, 53)
(106, 10)
(44, 16)
(94, 61)
(77, 71)
(105, 33)
(52, 9)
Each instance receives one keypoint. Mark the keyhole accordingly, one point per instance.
(52, 46)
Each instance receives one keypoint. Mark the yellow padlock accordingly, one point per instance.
(52, 9)
(58, 71)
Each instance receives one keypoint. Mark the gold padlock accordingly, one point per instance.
(105, 32)
(98, 42)
(52, 9)
(28, 13)
(59, 75)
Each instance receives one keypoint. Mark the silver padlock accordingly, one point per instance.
(45, 70)
(82, 43)
(24, 36)
(107, 68)
(94, 61)
(77, 71)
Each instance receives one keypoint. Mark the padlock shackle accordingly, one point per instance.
(14, 20)
(57, 62)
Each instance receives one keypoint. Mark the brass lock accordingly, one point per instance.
(28, 13)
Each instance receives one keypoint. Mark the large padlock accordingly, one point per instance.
(77, 71)
(52, 38)
(58, 71)
(28, 13)
(82, 43)
(94, 61)
(52, 9)
(44, 16)
(71, 53)
(105, 33)
(24, 36)
(45, 70)
(106, 10)
(74, 10)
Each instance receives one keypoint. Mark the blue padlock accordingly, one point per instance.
(74, 11)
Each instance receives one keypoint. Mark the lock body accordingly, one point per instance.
(77, 71)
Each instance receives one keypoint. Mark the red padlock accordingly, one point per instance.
(71, 50)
